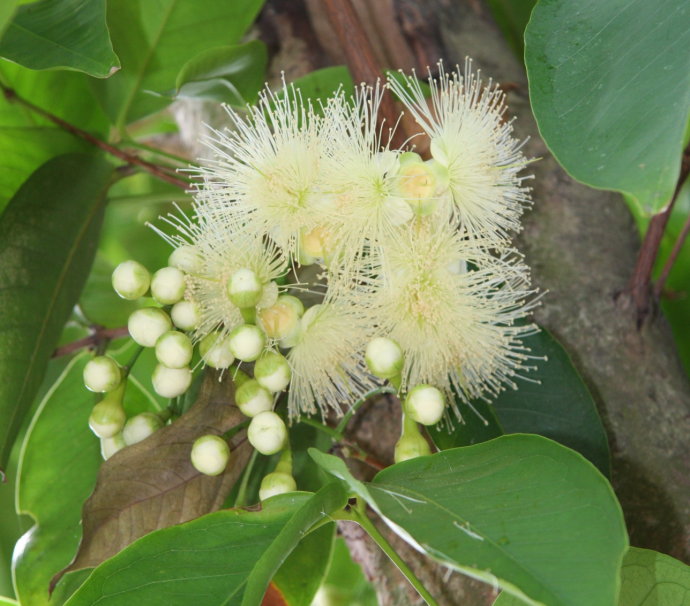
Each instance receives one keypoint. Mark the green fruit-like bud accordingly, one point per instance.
(384, 358)
(247, 342)
(147, 325)
(102, 374)
(140, 427)
(186, 315)
(272, 371)
(109, 446)
(276, 483)
(168, 285)
(267, 433)
(171, 382)
(239, 378)
(108, 417)
(410, 447)
(244, 288)
(425, 404)
(215, 351)
(174, 349)
(131, 280)
(186, 258)
(210, 455)
(252, 399)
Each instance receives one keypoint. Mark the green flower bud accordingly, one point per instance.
(109, 446)
(384, 358)
(272, 371)
(102, 374)
(240, 377)
(186, 258)
(425, 404)
(251, 398)
(171, 382)
(174, 349)
(410, 447)
(215, 351)
(267, 433)
(147, 325)
(140, 427)
(210, 455)
(244, 288)
(269, 295)
(276, 483)
(108, 417)
(186, 315)
(247, 342)
(168, 285)
(131, 280)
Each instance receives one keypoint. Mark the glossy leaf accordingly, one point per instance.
(8, 602)
(7, 10)
(610, 89)
(44, 263)
(155, 39)
(228, 74)
(61, 33)
(520, 512)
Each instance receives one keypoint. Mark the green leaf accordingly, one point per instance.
(8, 602)
(7, 10)
(44, 263)
(610, 89)
(61, 33)
(203, 562)
(512, 17)
(479, 424)
(155, 39)
(322, 83)
(228, 74)
(59, 462)
(345, 584)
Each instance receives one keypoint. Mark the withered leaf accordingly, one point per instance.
(152, 484)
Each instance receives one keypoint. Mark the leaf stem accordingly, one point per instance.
(99, 335)
(242, 491)
(342, 425)
(155, 150)
(363, 520)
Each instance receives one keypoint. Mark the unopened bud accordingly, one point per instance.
(267, 433)
(171, 382)
(276, 483)
(411, 447)
(108, 417)
(425, 404)
(215, 351)
(187, 258)
(247, 342)
(272, 371)
(384, 358)
(147, 325)
(102, 374)
(131, 280)
(251, 398)
(109, 446)
(281, 320)
(210, 455)
(140, 427)
(168, 285)
(244, 288)
(239, 378)
(186, 315)
(269, 295)
(174, 349)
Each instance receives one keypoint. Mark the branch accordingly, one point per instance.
(157, 171)
(96, 338)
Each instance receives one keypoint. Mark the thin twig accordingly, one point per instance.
(154, 169)
(98, 336)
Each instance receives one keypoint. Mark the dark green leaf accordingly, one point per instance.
(61, 33)
(7, 10)
(228, 74)
(512, 17)
(479, 424)
(610, 89)
(45, 261)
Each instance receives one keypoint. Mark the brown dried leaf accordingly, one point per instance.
(152, 484)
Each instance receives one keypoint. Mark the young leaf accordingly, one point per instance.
(45, 261)
(610, 89)
(61, 33)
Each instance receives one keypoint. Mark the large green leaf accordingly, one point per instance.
(154, 39)
(7, 10)
(203, 562)
(520, 512)
(44, 262)
(61, 33)
(610, 89)
(59, 462)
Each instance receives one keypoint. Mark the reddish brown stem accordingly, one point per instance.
(98, 336)
(157, 171)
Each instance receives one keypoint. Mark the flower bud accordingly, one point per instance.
(147, 325)
(186, 258)
(102, 374)
(239, 378)
(425, 404)
(251, 398)
(140, 427)
(186, 315)
(215, 351)
(174, 349)
(109, 446)
(410, 447)
(267, 433)
(281, 320)
(269, 295)
(171, 382)
(168, 285)
(247, 342)
(384, 358)
(108, 417)
(210, 455)
(131, 280)
(276, 483)
(272, 371)
(244, 288)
